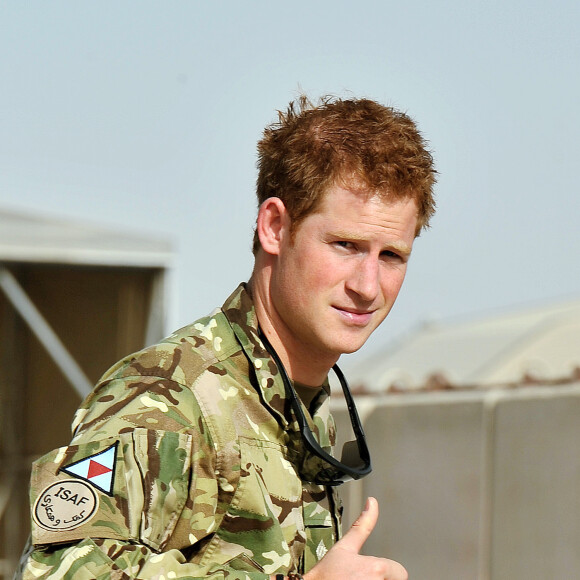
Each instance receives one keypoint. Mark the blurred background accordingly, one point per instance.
(127, 172)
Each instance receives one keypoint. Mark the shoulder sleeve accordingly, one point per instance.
(130, 506)
(134, 487)
(136, 494)
(134, 491)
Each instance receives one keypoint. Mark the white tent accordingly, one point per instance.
(528, 345)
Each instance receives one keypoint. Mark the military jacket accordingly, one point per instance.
(185, 463)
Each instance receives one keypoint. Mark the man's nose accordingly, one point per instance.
(364, 279)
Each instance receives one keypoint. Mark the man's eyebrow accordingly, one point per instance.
(400, 247)
(397, 246)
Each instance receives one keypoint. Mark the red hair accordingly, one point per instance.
(356, 143)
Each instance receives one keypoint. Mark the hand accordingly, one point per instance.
(344, 561)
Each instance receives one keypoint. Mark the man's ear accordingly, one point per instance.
(273, 224)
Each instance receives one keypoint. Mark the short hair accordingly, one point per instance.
(357, 143)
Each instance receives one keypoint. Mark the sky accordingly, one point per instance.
(144, 117)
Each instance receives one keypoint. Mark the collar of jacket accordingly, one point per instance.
(240, 312)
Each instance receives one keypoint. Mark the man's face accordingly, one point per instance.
(337, 280)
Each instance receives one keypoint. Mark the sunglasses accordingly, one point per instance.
(319, 466)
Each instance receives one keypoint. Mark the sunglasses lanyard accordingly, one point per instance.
(332, 471)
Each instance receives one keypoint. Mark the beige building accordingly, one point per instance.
(73, 300)
(474, 431)
(521, 346)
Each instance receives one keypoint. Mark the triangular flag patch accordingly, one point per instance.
(98, 469)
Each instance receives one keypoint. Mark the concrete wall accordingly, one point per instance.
(478, 485)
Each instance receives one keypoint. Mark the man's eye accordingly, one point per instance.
(343, 244)
(389, 255)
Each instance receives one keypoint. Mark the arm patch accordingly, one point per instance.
(132, 487)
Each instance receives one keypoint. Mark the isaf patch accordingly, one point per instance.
(65, 505)
(69, 503)
(97, 469)
(101, 489)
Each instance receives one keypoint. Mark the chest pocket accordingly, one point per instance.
(265, 511)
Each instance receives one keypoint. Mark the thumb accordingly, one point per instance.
(359, 532)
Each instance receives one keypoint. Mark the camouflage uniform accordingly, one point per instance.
(184, 464)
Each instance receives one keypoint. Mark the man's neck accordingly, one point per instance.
(300, 361)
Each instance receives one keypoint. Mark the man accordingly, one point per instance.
(188, 459)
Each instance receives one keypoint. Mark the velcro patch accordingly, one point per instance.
(65, 505)
(128, 487)
(97, 469)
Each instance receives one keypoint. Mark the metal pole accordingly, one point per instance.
(44, 332)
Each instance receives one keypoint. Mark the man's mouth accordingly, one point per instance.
(355, 316)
